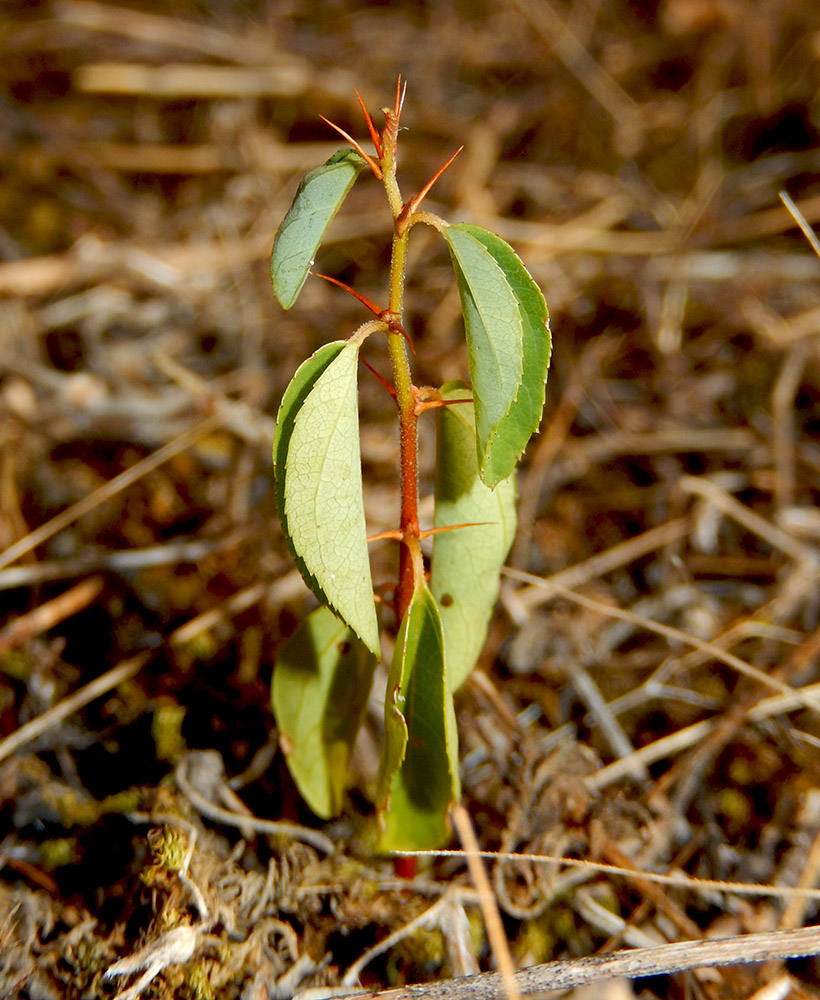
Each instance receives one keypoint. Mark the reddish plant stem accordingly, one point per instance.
(409, 522)
(411, 567)
(409, 553)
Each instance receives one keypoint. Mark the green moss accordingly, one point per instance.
(166, 729)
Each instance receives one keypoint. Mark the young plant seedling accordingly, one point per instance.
(323, 674)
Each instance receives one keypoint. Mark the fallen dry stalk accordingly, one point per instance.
(677, 879)
(46, 616)
(634, 964)
(107, 491)
(674, 634)
(73, 703)
(489, 906)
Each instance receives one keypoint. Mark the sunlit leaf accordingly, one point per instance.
(298, 388)
(321, 683)
(494, 333)
(466, 562)
(318, 199)
(418, 773)
(319, 485)
(506, 323)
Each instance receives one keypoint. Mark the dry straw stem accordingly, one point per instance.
(176, 552)
(106, 492)
(543, 591)
(634, 874)
(635, 964)
(185, 81)
(629, 764)
(446, 915)
(750, 520)
(47, 615)
(675, 634)
(276, 828)
(285, 588)
(799, 216)
(71, 704)
(246, 422)
(175, 266)
(489, 907)
(174, 31)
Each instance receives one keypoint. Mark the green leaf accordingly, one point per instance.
(525, 414)
(466, 562)
(318, 199)
(318, 470)
(321, 683)
(297, 391)
(292, 400)
(418, 771)
(495, 336)
(506, 322)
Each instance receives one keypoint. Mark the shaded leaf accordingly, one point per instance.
(321, 683)
(319, 485)
(318, 199)
(466, 562)
(418, 771)
(505, 319)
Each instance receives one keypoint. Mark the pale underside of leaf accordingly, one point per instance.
(317, 200)
(321, 683)
(319, 486)
(295, 394)
(418, 773)
(467, 561)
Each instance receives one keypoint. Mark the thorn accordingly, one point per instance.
(387, 317)
(432, 404)
(399, 99)
(379, 376)
(396, 327)
(377, 170)
(414, 203)
(356, 295)
(396, 535)
(371, 128)
(453, 527)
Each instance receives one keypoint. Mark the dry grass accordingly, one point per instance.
(648, 697)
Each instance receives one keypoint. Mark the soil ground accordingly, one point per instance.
(633, 706)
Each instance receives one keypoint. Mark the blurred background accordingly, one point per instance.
(634, 155)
